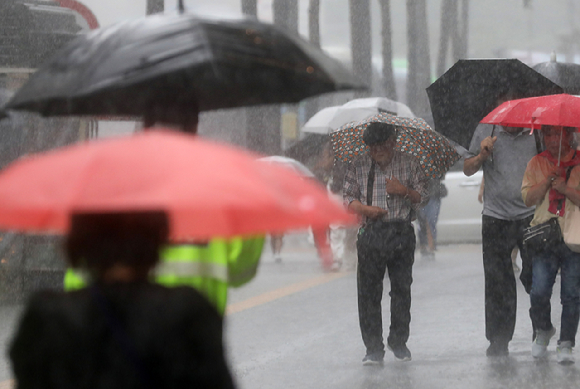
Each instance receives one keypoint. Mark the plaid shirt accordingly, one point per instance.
(404, 167)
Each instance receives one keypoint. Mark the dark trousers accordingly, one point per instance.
(381, 247)
(499, 238)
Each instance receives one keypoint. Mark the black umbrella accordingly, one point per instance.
(470, 89)
(567, 75)
(169, 67)
(308, 147)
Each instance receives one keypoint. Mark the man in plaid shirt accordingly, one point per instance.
(398, 188)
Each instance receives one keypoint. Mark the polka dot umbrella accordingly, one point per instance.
(414, 136)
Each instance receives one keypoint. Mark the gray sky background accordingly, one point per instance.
(494, 24)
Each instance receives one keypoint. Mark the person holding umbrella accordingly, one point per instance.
(122, 331)
(211, 267)
(390, 160)
(551, 183)
(503, 153)
(385, 187)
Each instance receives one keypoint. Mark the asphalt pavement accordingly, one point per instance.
(311, 338)
(296, 326)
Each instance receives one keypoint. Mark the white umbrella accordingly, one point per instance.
(290, 163)
(383, 104)
(328, 119)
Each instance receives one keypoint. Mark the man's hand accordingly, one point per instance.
(486, 147)
(394, 186)
(473, 164)
(374, 212)
(369, 211)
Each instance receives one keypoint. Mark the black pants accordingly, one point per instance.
(383, 246)
(499, 238)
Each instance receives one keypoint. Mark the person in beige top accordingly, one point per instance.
(551, 183)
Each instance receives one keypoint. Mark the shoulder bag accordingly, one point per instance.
(542, 236)
(571, 231)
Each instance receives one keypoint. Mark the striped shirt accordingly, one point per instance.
(403, 167)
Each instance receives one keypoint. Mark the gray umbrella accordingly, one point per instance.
(566, 75)
(171, 67)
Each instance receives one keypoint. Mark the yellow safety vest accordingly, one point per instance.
(209, 268)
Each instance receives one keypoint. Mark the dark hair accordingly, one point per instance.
(377, 132)
(98, 241)
(184, 114)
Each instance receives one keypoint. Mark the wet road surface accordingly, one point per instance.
(311, 339)
(295, 326)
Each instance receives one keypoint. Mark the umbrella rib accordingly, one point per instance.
(156, 60)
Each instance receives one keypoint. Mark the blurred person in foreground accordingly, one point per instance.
(503, 153)
(385, 187)
(122, 331)
(210, 267)
(551, 184)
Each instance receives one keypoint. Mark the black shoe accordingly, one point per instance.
(497, 349)
(401, 352)
(373, 359)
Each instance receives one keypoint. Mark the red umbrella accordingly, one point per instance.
(556, 110)
(533, 112)
(206, 188)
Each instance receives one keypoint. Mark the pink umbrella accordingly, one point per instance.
(206, 188)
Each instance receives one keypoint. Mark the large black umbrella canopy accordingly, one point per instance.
(176, 63)
(470, 89)
(566, 75)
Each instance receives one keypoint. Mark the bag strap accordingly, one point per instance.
(568, 172)
(371, 184)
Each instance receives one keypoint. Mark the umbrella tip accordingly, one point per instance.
(181, 6)
(553, 57)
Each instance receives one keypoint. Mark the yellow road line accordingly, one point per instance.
(257, 300)
(282, 292)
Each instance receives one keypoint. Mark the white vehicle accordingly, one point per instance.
(460, 215)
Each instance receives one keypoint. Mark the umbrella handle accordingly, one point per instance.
(491, 155)
(560, 149)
